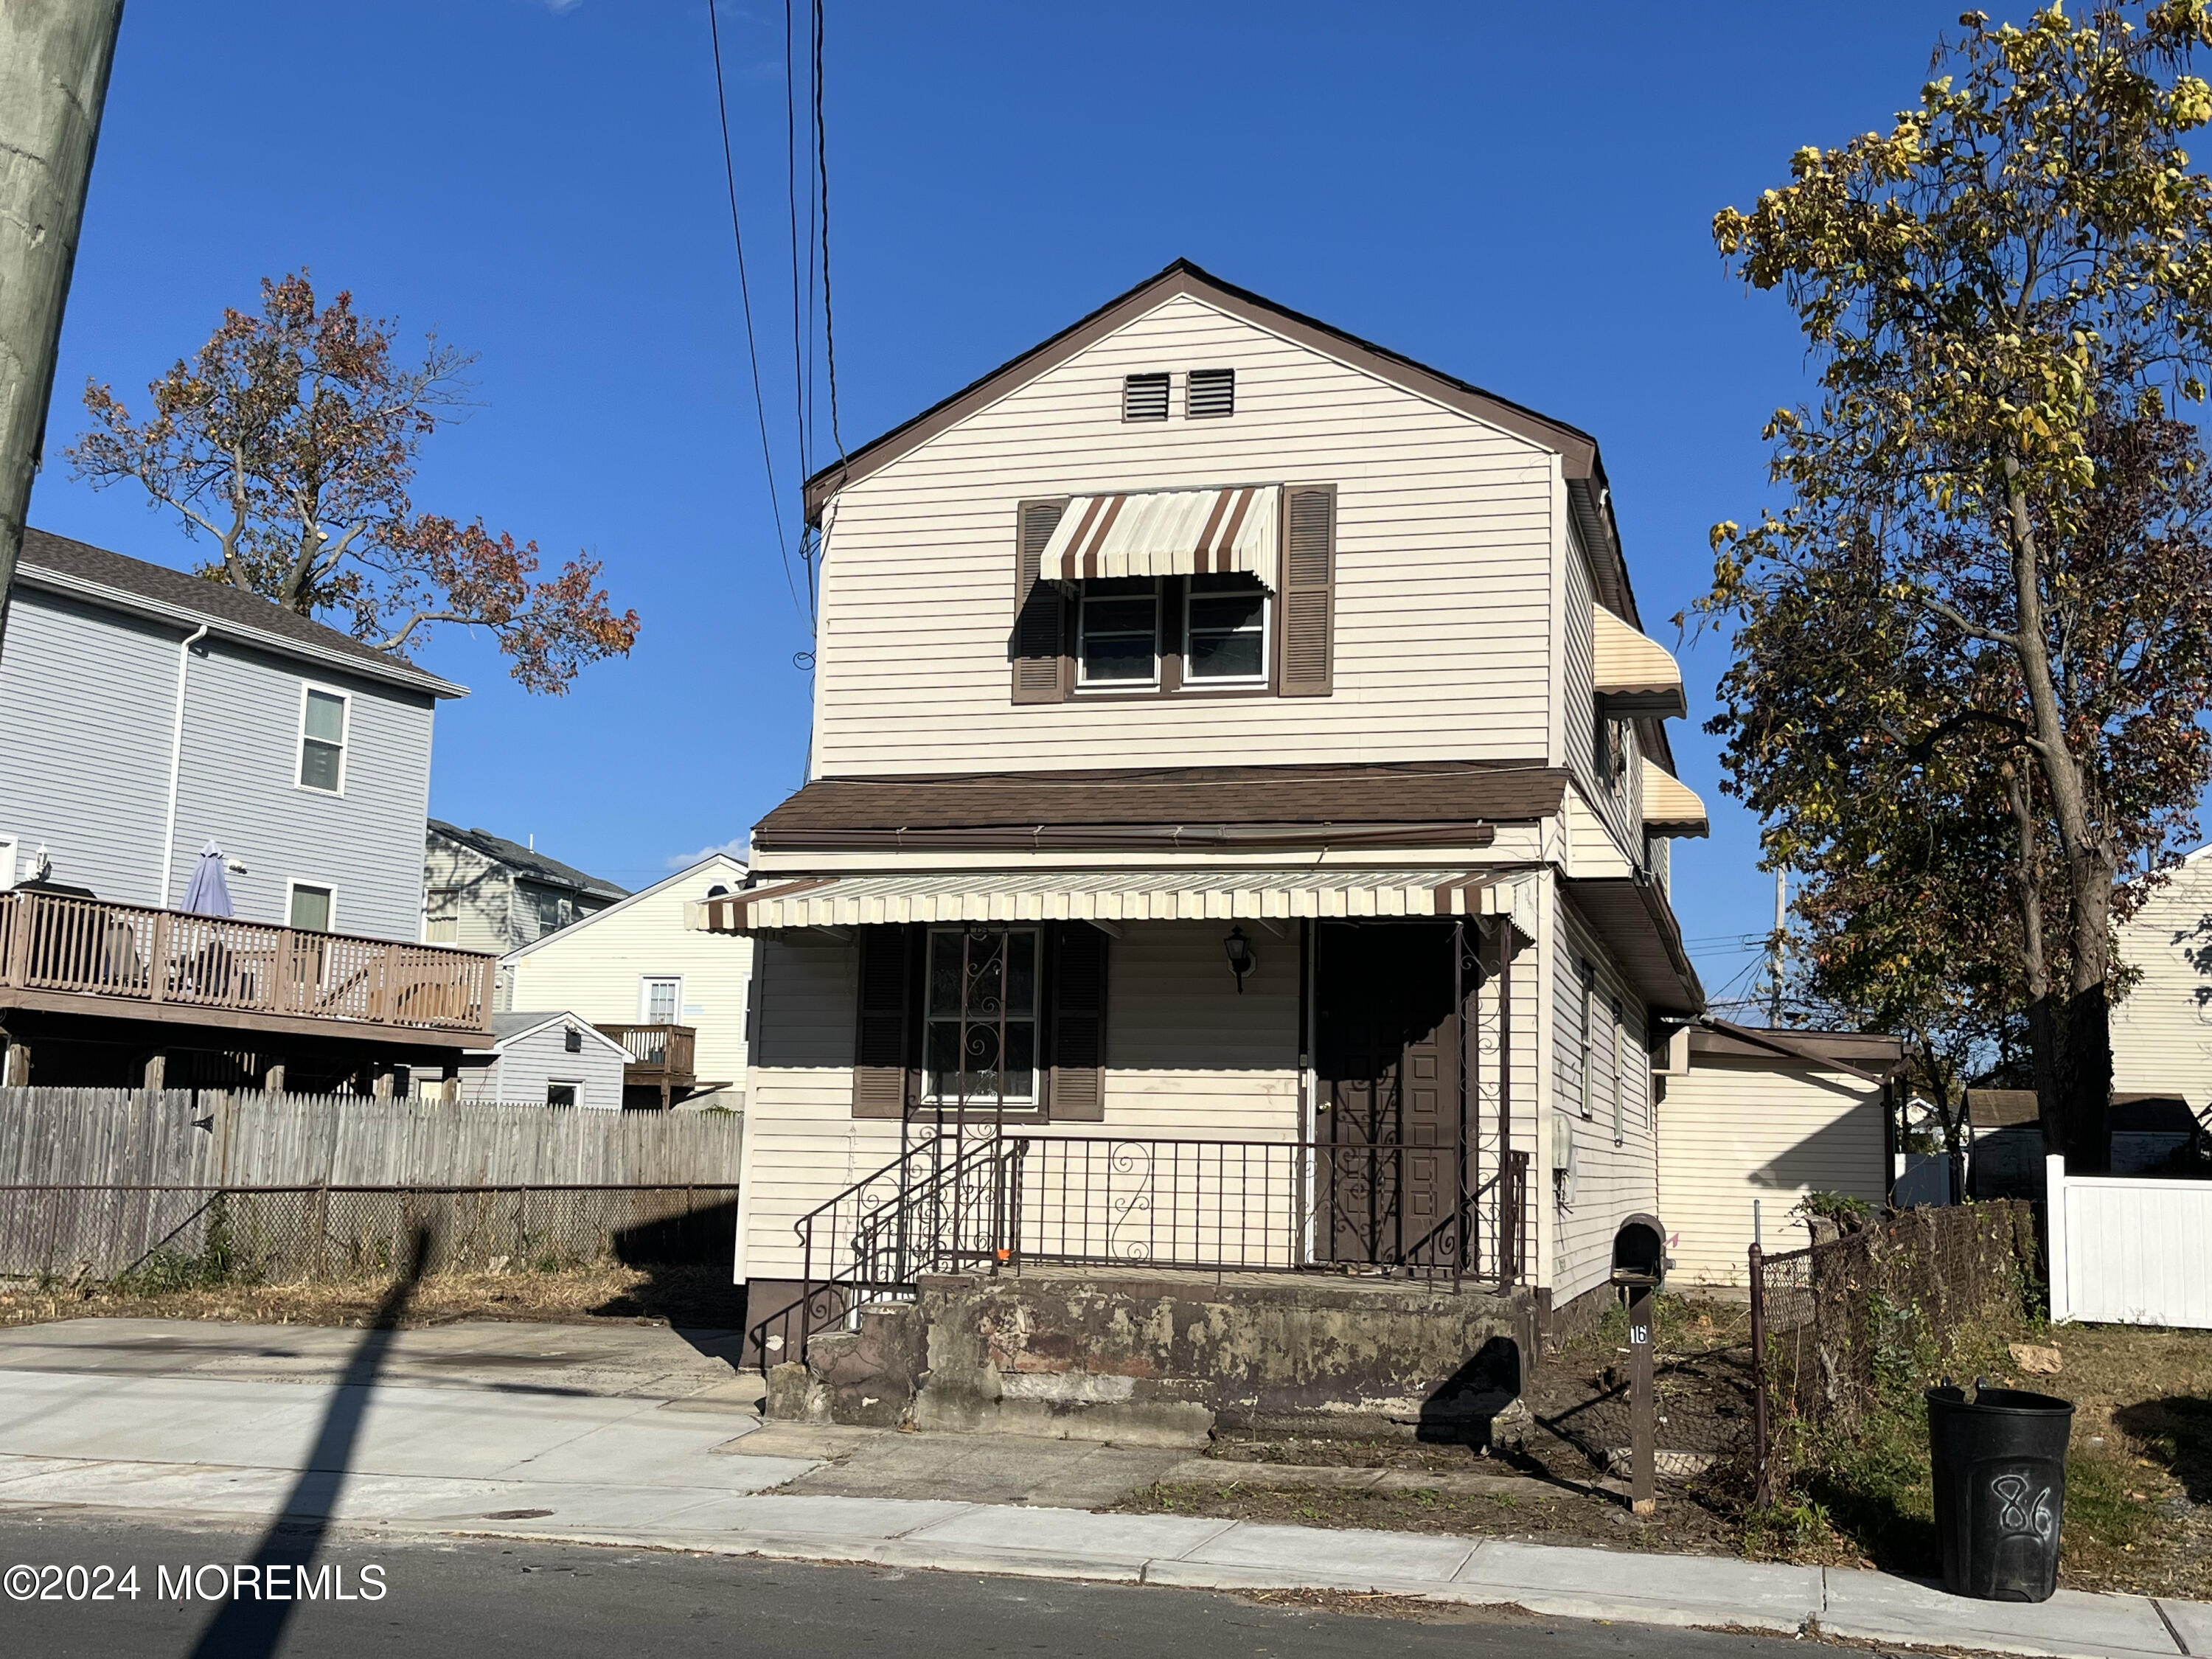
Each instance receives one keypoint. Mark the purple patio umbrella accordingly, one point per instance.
(208, 893)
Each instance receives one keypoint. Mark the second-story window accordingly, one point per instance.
(1611, 744)
(1226, 631)
(323, 740)
(1119, 633)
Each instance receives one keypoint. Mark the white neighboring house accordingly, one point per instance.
(554, 1056)
(676, 996)
(2162, 1029)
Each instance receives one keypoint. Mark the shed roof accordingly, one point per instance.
(534, 866)
(57, 564)
(2001, 1108)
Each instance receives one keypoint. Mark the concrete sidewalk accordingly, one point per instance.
(647, 1465)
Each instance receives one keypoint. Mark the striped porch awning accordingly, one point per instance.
(1119, 896)
(1170, 532)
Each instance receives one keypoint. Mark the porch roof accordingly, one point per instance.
(1169, 808)
(1633, 921)
(1120, 896)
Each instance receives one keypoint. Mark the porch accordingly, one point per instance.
(80, 976)
(662, 1067)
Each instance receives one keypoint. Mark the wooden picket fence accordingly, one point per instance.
(94, 1182)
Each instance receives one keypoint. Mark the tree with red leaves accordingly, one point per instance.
(290, 440)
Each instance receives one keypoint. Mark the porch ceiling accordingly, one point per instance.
(1633, 921)
(1120, 896)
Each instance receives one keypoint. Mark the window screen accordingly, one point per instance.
(1120, 632)
(1226, 629)
(1145, 397)
(1212, 393)
(322, 740)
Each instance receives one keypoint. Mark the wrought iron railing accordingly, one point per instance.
(997, 1200)
(134, 953)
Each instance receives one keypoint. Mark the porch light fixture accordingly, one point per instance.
(1242, 958)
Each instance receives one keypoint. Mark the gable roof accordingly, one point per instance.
(512, 1027)
(562, 937)
(1589, 495)
(534, 866)
(59, 565)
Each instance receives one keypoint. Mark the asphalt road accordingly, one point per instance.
(494, 1597)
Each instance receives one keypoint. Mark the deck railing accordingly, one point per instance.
(134, 953)
(658, 1049)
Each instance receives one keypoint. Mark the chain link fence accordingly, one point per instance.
(161, 1237)
(1834, 1326)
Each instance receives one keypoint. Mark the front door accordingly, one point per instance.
(1387, 1055)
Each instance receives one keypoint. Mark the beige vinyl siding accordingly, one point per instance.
(1619, 806)
(2162, 1030)
(1659, 850)
(1612, 1182)
(1734, 1131)
(1445, 535)
(594, 966)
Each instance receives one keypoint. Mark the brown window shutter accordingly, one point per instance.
(1078, 1025)
(885, 1043)
(1040, 673)
(1309, 590)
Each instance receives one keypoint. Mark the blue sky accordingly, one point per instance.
(1517, 195)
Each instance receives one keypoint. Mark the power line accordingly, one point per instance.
(822, 169)
(745, 294)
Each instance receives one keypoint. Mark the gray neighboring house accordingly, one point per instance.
(149, 712)
(553, 1057)
(484, 892)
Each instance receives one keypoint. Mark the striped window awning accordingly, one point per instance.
(1170, 532)
(1670, 805)
(1636, 674)
(1119, 896)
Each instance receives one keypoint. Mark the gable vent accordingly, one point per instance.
(1145, 397)
(1212, 393)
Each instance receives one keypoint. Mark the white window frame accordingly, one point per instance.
(645, 984)
(1034, 1099)
(575, 1083)
(345, 739)
(1586, 972)
(292, 884)
(1082, 683)
(1230, 683)
(1619, 1074)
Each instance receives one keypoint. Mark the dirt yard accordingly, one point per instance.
(695, 1296)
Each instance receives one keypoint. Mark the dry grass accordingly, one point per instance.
(694, 1296)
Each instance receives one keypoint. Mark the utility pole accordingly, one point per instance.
(1781, 921)
(54, 60)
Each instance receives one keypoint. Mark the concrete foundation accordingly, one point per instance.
(1165, 1357)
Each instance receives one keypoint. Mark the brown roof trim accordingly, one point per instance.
(1165, 837)
(1594, 901)
(1576, 449)
(1825, 1049)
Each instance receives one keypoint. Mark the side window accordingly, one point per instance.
(659, 998)
(1226, 631)
(564, 1094)
(1619, 1075)
(1118, 640)
(1586, 1036)
(323, 719)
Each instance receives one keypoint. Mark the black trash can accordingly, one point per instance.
(2000, 1468)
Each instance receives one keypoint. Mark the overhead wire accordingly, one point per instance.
(745, 298)
(822, 172)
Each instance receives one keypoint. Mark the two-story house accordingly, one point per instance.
(484, 892)
(150, 713)
(1239, 775)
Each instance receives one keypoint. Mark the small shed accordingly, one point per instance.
(2004, 1144)
(1750, 1121)
(2147, 1131)
(555, 1057)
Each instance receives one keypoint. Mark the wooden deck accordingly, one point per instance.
(660, 1057)
(60, 953)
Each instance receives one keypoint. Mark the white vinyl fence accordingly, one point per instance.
(2129, 1250)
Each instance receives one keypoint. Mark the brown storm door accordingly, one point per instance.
(1387, 1055)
